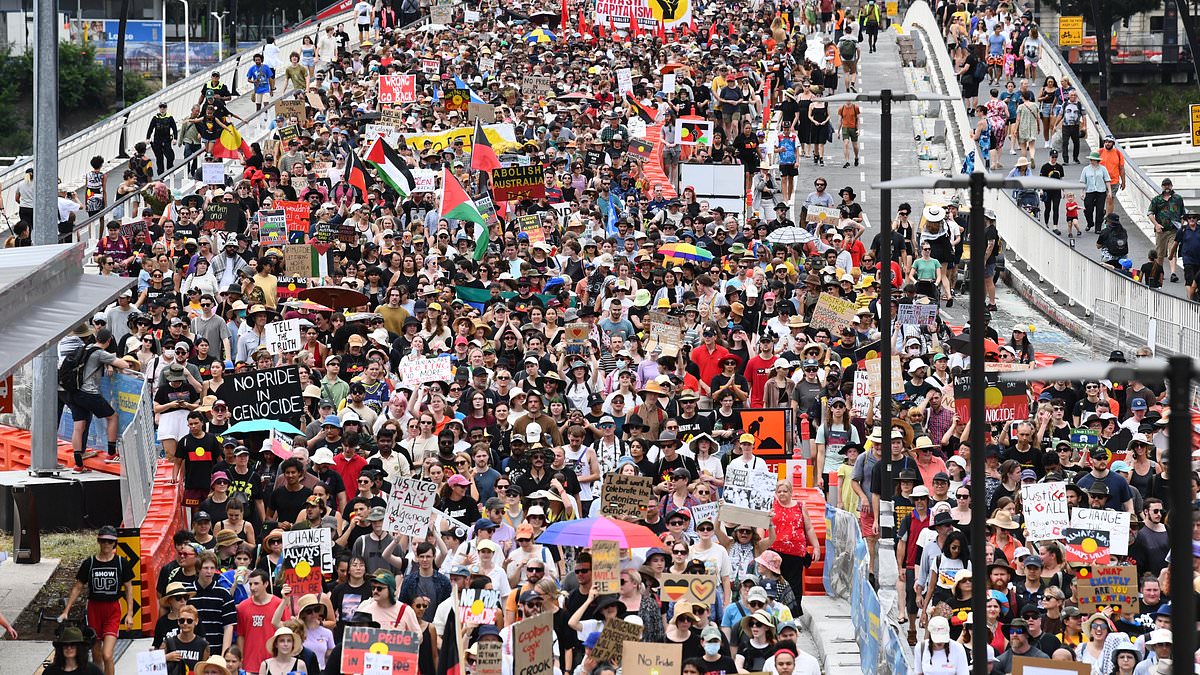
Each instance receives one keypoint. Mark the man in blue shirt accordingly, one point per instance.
(1188, 241)
(262, 77)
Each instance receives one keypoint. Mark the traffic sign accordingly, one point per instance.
(1070, 31)
(1195, 110)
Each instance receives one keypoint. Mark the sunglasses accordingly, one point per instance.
(186, 622)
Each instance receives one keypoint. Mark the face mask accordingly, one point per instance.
(620, 364)
(712, 648)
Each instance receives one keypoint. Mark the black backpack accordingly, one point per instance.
(70, 371)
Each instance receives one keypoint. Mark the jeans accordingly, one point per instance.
(1093, 209)
(191, 149)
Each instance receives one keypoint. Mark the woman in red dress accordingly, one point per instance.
(794, 534)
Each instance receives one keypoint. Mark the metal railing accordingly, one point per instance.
(1072, 275)
(139, 460)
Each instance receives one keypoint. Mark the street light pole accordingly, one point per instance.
(187, 39)
(220, 17)
(975, 183)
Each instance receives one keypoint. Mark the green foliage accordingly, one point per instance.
(137, 87)
(82, 80)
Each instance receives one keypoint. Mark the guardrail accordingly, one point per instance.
(1078, 278)
(110, 137)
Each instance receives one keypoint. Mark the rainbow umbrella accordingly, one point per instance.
(541, 35)
(584, 531)
(680, 251)
(307, 306)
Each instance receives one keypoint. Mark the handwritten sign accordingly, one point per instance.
(415, 372)
(625, 496)
(533, 642)
(537, 85)
(1087, 546)
(624, 81)
(307, 554)
(490, 657)
(297, 214)
(913, 314)
(1115, 523)
(431, 66)
(873, 366)
(478, 606)
(298, 260)
(291, 109)
(861, 399)
(665, 329)
(213, 173)
(822, 215)
(401, 645)
(1045, 508)
(283, 336)
(425, 180)
(441, 15)
(409, 506)
(1113, 586)
(575, 337)
(606, 566)
(651, 658)
(613, 637)
(705, 513)
(749, 496)
(153, 662)
(832, 313)
(272, 227)
(484, 112)
(397, 89)
(698, 588)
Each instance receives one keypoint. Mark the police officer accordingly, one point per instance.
(162, 134)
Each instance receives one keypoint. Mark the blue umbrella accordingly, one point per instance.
(262, 425)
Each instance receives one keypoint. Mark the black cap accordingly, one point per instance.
(107, 532)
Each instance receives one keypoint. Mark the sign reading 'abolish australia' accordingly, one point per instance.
(273, 394)
(519, 182)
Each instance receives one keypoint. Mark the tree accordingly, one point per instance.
(1102, 14)
(1189, 30)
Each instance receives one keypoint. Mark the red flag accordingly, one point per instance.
(729, 31)
(483, 157)
(356, 173)
(562, 10)
(598, 32)
(712, 30)
(634, 28)
(662, 31)
(583, 27)
(612, 28)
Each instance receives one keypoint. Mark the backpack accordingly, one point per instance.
(848, 50)
(1120, 241)
(980, 71)
(70, 371)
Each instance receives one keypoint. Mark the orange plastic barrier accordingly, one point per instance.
(163, 519)
(16, 453)
(814, 505)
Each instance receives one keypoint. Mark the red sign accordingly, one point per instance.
(6, 394)
(401, 645)
(297, 215)
(303, 579)
(397, 89)
(1086, 546)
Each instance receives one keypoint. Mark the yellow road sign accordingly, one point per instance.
(1070, 31)
(1195, 110)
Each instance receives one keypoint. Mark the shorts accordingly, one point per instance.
(866, 523)
(86, 405)
(363, 28)
(989, 271)
(104, 617)
(260, 98)
(192, 498)
(849, 134)
(850, 67)
(995, 60)
(788, 170)
(826, 17)
(1114, 188)
(1190, 273)
(1162, 244)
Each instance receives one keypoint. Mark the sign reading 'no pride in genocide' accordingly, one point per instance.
(272, 394)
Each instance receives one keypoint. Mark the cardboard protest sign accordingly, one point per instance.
(484, 112)
(664, 329)
(613, 637)
(749, 496)
(291, 109)
(913, 314)
(314, 99)
(531, 225)
(307, 554)
(441, 15)
(393, 117)
(1114, 523)
(298, 260)
(490, 658)
(533, 645)
(213, 173)
(625, 496)
(283, 336)
(1090, 547)
(872, 366)
(1044, 506)
(1006, 401)
(537, 85)
(431, 66)
(1023, 665)
(651, 658)
(401, 645)
(861, 398)
(606, 566)
(272, 228)
(273, 394)
(478, 607)
(409, 506)
(397, 89)
(832, 313)
(1114, 586)
(414, 372)
(822, 215)
(575, 337)
(512, 183)
(701, 588)
(425, 180)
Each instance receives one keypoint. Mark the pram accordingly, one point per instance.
(1029, 201)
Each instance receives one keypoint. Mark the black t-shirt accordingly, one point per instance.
(465, 509)
(198, 455)
(346, 598)
(664, 467)
(722, 666)
(104, 579)
(192, 652)
(286, 504)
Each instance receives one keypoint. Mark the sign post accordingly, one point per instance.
(1194, 109)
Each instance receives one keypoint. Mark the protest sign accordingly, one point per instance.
(478, 606)
(431, 66)
(705, 513)
(1115, 523)
(484, 112)
(575, 338)
(872, 368)
(393, 117)
(1045, 508)
(425, 180)
(531, 225)
(456, 100)
(409, 506)
(651, 658)
(594, 159)
(664, 329)
(1024, 665)
(490, 657)
(537, 85)
(298, 260)
(648, 14)
(512, 183)
(397, 89)
(377, 664)
(288, 132)
(274, 393)
(440, 140)
(441, 15)
(487, 64)
(749, 496)
(861, 399)
(668, 84)
(471, 16)
(1006, 401)
(832, 313)
(533, 641)
(694, 132)
(288, 286)
(606, 566)
(291, 109)
(307, 554)
(283, 336)
(625, 496)
(153, 662)
(415, 372)
(822, 215)
(272, 228)
(613, 637)
(297, 214)
(213, 173)
(641, 148)
(1086, 546)
(314, 100)
(1114, 586)
(624, 81)
(401, 645)
(384, 131)
(1084, 438)
(913, 314)
(701, 588)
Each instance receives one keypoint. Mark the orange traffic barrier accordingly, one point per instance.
(163, 519)
(814, 505)
(16, 453)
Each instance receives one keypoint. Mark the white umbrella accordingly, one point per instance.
(431, 28)
(792, 234)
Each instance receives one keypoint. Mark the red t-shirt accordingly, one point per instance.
(758, 371)
(254, 624)
(349, 469)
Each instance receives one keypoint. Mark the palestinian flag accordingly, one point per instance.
(391, 167)
(483, 157)
(319, 257)
(458, 205)
(647, 114)
(356, 173)
(231, 145)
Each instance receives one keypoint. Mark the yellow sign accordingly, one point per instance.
(893, 8)
(1070, 31)
(1195, 110)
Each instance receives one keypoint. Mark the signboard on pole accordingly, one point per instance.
(410, 506)
(1070, 31)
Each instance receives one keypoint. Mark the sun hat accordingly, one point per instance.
(281, 632)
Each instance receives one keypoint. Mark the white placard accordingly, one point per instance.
(669, 84)
(624, 81)
(386, 131)
(912, 314)
(377, 664)
(705, 513)
(312, 544)
(410, 506)
(487, 64)
(283, 336)
(470, 16)
(153, 662)
(213, 173)
(424, 180)
(861, 402)
(419, 371)
(1045, 508)
(1116, 523)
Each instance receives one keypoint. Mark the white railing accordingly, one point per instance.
(139, 461)
(1078, 279)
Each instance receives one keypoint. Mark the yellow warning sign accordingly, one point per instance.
(893, 8)
(129, 547)
(1070, 31)
(1195, 110)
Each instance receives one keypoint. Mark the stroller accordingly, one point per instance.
(1029, 201)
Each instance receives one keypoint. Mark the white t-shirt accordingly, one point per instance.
(362, 12)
